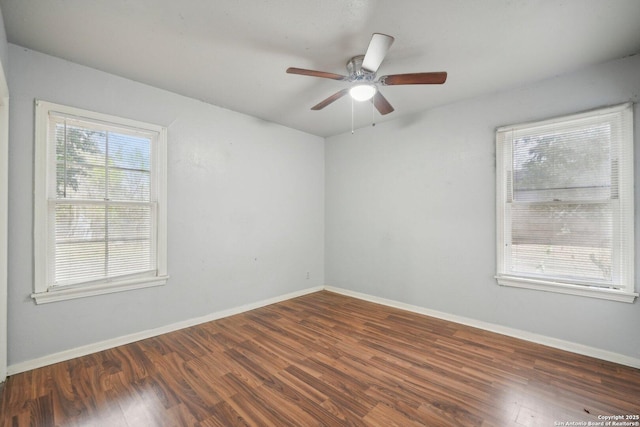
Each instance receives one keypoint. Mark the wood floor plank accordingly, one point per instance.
(223, 415)
(328, 360)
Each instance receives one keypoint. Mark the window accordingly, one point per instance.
(100, 208)
(565, 204)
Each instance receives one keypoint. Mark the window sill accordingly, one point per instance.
(564, 288)
(54, 295)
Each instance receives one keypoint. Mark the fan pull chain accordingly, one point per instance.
(352, 132)
(373, 114)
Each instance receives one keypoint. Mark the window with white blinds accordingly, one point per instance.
(565, 204)
(100, 205)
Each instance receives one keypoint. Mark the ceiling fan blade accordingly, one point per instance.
(381, 104)
(330, 99)
(436, 78)
(378, 47)
(314, 73)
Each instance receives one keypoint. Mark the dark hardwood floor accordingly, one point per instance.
(323, 359)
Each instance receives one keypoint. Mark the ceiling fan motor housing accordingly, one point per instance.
(357, 73)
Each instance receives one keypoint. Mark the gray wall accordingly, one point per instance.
(245, 213)
(410, 210)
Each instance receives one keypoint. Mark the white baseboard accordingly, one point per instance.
(127, 339)
(503, 330)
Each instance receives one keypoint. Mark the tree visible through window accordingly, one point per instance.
(100, 233)
(569, 167)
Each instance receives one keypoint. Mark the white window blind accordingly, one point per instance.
(102, 212)
(103, 191)
(565, 202)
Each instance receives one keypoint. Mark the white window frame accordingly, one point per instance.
(45, 171)
(624, 288)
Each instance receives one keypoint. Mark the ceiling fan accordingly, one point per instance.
(362, 76)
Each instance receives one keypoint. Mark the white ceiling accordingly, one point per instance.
(234, 53)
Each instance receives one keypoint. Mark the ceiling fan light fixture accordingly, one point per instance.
(362, 92)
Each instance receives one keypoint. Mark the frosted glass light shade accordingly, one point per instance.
(362, 92)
